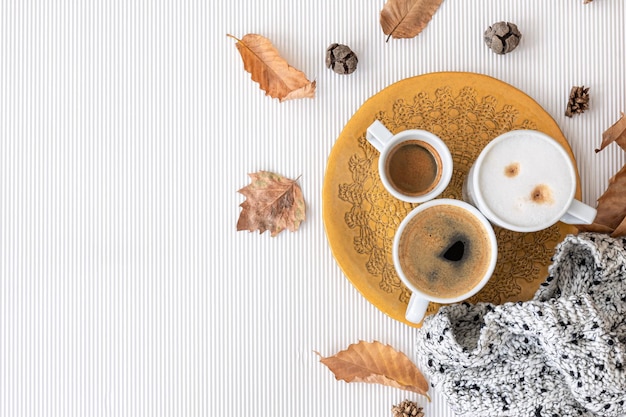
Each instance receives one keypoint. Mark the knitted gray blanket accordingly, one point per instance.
(560, 354)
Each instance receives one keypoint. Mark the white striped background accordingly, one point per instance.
(126, 128)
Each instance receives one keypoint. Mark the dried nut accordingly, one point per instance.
(502, 37)
(341, 59)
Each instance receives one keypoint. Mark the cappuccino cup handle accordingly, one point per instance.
(378, 135)
(579, 213)
(416, 310)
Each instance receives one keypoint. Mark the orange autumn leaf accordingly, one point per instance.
(376, 363)
(275, 76)
(407, 18)
(273, 203)
(616, 133)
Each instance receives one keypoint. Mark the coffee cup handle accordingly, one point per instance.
(579, 213)
(416, 310)
(378, 135)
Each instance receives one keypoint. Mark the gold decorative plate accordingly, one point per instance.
(467, 111)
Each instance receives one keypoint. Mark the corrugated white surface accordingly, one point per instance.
(126, 128)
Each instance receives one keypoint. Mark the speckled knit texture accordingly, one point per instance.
(560, 354)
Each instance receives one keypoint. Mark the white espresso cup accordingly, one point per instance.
(525, 181)
(414, 165)
(444, 251)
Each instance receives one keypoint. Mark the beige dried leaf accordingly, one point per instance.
(275, 76)
(616, 133)
(273, 203)
(376, 363)
(407, 18)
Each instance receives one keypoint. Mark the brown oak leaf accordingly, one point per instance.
(616, 133)
(375, 363)
(407, 18)
(275, 76)
(272, 203)
(611, 217)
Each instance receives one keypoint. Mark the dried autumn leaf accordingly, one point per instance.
(611, 208)
(275, 76)
(273, 203)
(616, 133)
(620, 230)
(407, 18)
(376, 363)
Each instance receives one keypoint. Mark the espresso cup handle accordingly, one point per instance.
(416, 310)
(579, 213)
(378, 135)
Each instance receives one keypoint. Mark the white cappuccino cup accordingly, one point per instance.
(525, 181)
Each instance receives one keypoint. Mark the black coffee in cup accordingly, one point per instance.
(445, 251)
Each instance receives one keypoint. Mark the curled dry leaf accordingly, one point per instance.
(616, 133)
(275, 76)
(407, 18)
(273, 203)
(376, 363)
(611, 217)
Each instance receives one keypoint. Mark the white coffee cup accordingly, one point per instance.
(427, 262)
(525, 181)
(414, 165)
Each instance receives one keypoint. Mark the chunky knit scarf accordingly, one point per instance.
(560, 354)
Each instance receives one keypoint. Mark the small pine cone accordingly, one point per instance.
(578, 101)
(341, 59)
(502, 37)
(407, 409)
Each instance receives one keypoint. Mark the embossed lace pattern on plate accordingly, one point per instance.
(466, 123)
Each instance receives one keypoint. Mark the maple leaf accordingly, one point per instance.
(376, 363)
(407, 18)
(272, 203)
(275, 76)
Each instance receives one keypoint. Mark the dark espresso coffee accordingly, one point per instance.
(444, 251)
(413, 167)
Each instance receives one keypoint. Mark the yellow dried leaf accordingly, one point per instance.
(407, 18)
(273, 203)
(275, 76)
(616, 133)
(376, 363)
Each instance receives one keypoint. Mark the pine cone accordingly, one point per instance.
(341, 59)
(502, 37)
(578, 101)
(407, 409)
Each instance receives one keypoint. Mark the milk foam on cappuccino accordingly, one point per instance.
(527, 181)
